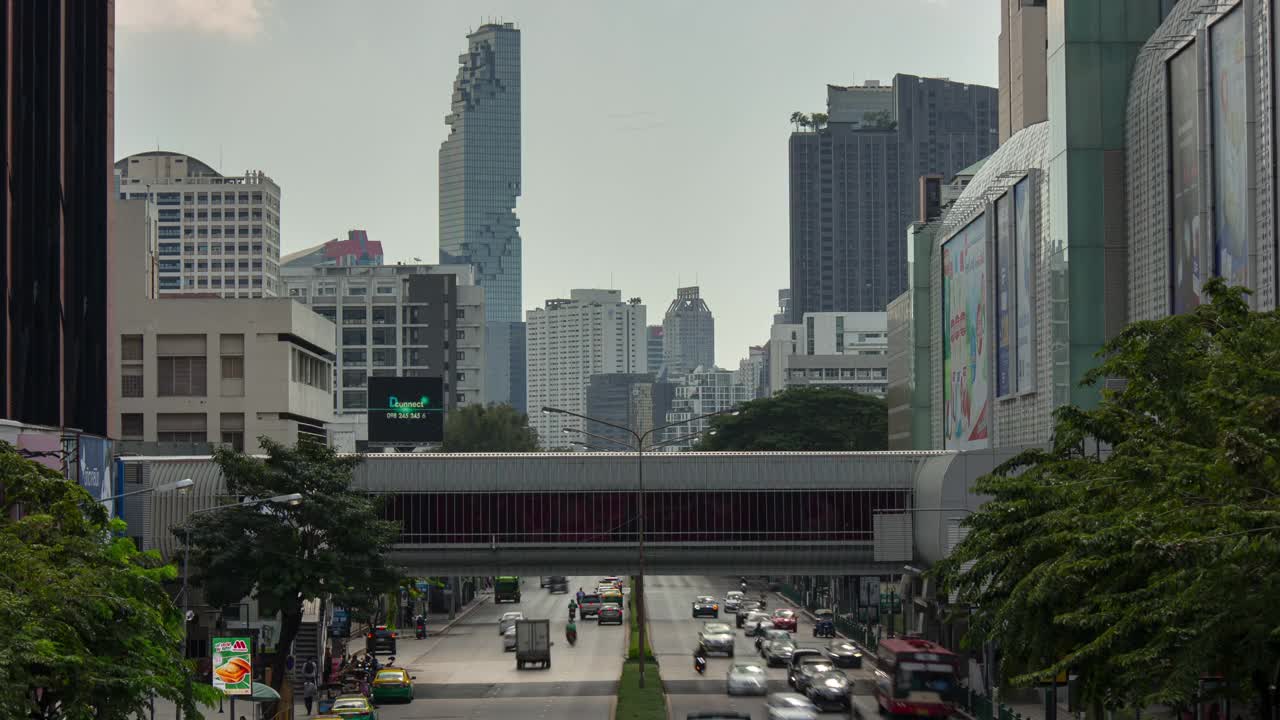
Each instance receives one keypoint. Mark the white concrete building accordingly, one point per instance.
(190, 370)
(592, 333)
(219, 236)
(701, 392)
(396, 321)
(845, 349)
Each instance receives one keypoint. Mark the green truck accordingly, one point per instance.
(506, 589)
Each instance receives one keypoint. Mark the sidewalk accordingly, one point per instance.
(437, 624)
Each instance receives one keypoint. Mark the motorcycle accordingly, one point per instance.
(420, 628)
(571, 634)
(700, 663)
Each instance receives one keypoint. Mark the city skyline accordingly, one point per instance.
(605, 142)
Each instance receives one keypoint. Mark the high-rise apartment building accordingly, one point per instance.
(56, 131)
(593, 332)
(853, 189)
(688, 334)
(219, 235)
(846, 349)
(702, 392)
(479, 186)
(397, 321)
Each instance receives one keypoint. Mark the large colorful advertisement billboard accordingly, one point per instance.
(233, 665)
(1228, 96)
(1026, 287)
(966, 349)
(1184, 129)
(1005, 332)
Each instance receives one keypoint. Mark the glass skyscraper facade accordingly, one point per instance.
(479, 184)
(480, 169)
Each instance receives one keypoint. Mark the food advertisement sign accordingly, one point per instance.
(966, 348)
(233, 665)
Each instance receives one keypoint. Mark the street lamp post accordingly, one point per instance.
(639, 448)
(289, 499)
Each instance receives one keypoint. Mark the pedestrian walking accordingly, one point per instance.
(308, 695)
(309, 669)
(581, 595)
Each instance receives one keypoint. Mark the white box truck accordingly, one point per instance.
(533, 643)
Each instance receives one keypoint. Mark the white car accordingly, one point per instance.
(508, 621)
(732, 600)
(747, 679)
(716, 637)
(790, 706)
(509, 638)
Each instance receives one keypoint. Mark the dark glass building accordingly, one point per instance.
(853, 188)
(55, 189)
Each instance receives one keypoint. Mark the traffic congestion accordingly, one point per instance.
(725, 651)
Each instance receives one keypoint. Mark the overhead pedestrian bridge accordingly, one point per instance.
(581, 513)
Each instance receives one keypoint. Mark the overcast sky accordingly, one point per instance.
(655, 131)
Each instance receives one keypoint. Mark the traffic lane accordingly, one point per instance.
(470, 652)
(675, 632)
(518, 708)
(864, 707)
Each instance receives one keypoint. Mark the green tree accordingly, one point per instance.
(88, 630)
(332, 543)
(1140, 549)
(496, 428)
(796, 117)
(803, 418)
(819, 120)
(879, 120)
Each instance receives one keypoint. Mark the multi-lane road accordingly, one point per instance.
(465, 673)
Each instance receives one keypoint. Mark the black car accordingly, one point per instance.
(829, 690)
(843, 653)
(706, 606)
(800, 656)
(558, 584)
(807, 670)
(380, 639)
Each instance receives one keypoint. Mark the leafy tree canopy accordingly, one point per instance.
(496, 428)
(89, 631)
(1140, 550)
(804, 418)
(332, 543)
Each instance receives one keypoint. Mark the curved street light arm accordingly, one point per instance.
(606, 438)
(547, 410)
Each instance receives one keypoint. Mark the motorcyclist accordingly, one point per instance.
(573, 610)
(571, 632)
(699, 659)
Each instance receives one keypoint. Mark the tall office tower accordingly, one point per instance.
(479, 185)
(654, 338)
(688, 334)
(219, 235)
(592, 333)
(56, 84)
(705, 391)
(853, 189)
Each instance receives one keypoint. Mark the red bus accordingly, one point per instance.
(916, 677)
